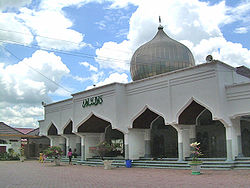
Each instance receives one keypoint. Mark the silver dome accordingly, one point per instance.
(161, 54)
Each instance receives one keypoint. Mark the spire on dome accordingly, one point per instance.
(160, 26)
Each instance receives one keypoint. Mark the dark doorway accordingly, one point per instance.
(245, 135)
(212, 136)
(164, 140)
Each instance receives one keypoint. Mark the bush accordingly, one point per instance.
(11, 155)
(53, 151)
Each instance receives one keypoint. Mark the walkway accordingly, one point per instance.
(31, 174)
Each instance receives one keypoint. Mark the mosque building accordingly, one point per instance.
(170, 103)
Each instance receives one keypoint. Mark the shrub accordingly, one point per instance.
(53, 151)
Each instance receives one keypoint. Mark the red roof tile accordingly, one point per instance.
(24, 130)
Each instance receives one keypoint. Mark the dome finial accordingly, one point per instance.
(160, 26)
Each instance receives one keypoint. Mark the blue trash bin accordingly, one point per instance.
(128, 163)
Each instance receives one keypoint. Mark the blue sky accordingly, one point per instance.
(50, 49)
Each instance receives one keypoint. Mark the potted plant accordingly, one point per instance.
(102, 149)
(54, 152)
(195, 163)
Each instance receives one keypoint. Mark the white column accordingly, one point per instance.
(180, 144)
(229, 135)
(126, 146)
(50, 140)
(192, 133)
(102, 137)
(67, 144)
(237, 144)
(147, 139)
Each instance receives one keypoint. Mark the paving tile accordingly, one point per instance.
(32, 174)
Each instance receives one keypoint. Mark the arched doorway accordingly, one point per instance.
(97, 130)
(116, 138)
(210, 133)
(72, 141)
(245, 135)
(56, 140)
(212, 136)
(164, 139)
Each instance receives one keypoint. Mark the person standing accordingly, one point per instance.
(70, 156)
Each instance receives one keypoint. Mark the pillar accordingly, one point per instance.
(83, 148)
(229, 135)
(147, 139)
(237, 141)
(180, 145)
(50, 141)
(192, 134)
(67, 144)
(126, 144)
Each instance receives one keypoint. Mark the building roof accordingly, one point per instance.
(244, 71)
(7, 130)
(160, 55)
(34, 132)
(24, 130)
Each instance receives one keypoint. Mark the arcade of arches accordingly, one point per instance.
(160, 140)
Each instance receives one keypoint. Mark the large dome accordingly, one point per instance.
(161, 54)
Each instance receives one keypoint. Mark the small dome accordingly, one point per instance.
(161, 54)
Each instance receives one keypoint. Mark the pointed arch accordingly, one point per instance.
(52, 128)
(66, 127)
(151, 114)
(143, 110)
(99, 122)
(197, 118)
(199, 108)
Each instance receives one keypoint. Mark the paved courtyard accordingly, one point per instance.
(32, 174)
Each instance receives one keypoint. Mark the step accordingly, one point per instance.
(207, 163)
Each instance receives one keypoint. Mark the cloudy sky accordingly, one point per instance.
(50, 49)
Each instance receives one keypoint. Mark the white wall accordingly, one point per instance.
(167, 95)
(136, 143)
(10, 144)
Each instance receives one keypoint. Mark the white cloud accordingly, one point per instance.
(4, 4)
(241, 30)
(20, 115)
(58, 5)
(191, 21)
(222, 50)
(91, 67)
(101, 25)
(93, 77)
(115, 56)
(24, 82)
(12, 30)
(23, 87)
(52, 29)
(114, 77)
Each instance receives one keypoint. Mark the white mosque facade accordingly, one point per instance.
(168, 106)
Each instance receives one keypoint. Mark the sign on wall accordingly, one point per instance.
(92, 101)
